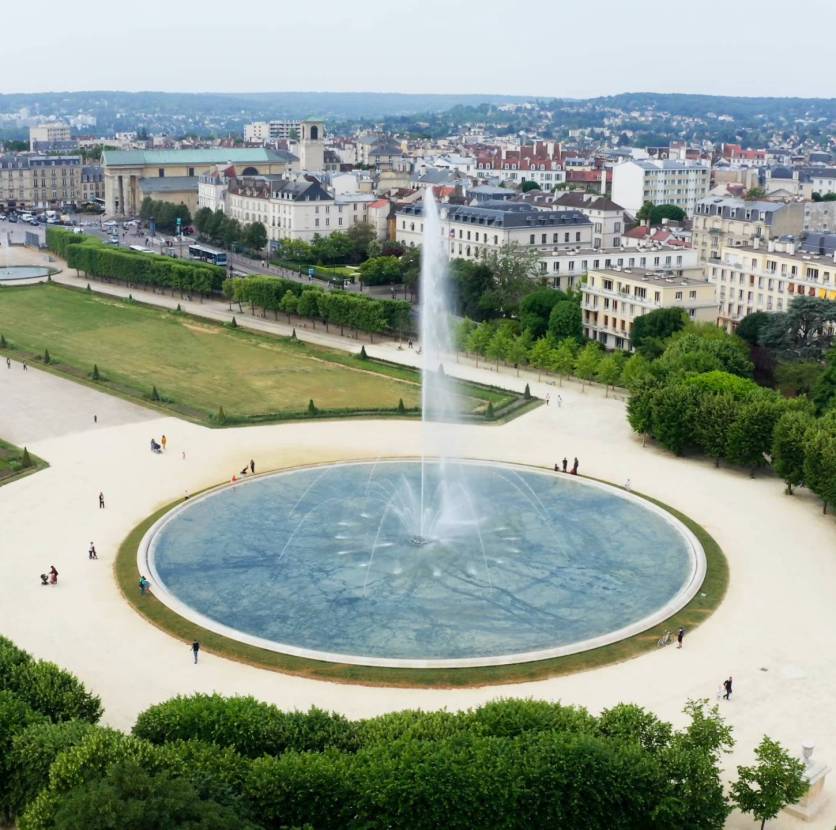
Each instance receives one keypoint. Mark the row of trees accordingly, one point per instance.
(206, 761)
(165, 214)
(221, 229)
(90, 256)
(349, 247)
(337, 308)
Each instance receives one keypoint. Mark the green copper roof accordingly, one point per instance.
(211, 155)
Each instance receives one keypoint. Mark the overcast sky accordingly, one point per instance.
(540, 47)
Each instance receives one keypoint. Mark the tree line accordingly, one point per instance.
(92, 257)
(212, 762)
(221, 229)
(165, 214)
(331, 308)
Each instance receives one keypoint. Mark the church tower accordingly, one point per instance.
(312, 145)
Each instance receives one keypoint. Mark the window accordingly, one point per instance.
(577, 236)
(191, 171)
(565, 237)
(543, 239)
(531, 239)
(161, 172)
(692, 295)
(678, 295)
(316, 223)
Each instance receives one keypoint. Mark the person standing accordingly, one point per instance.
(548, 398)
(91, 554)
(53, 575)
(95, 419)
(24, 367)
(559, 401)
(680, 636)
(565, 463)
(195, 649)
(575, 467)
(8, 363)
(101, 500)
(727, 685)
(252, 466)
(163, 442)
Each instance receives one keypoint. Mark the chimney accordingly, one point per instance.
(790, 248)
(756, 243)
(603, 181)
(770, 246)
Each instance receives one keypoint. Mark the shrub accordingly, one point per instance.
(234, 323)
(47, 359)
(363, 355)
(249, 726)
(15, 716)
(221, 416)
(527, 392)
(95, 373)
(26, 459)
(3, 343)
(33, 751)
(489, 411)
(155, 395)
(401, 407)
(312, 410)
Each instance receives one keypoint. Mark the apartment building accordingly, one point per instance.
(606, 216)
(721, 221)
(290, 209)
(92, 184)
(474, 232)
(823, 180)
(819, 217)
(34, 181)
(50, 136)
(262, 132)
(766, 277)
(660, 181)
(613, 298)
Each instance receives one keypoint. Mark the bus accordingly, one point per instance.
(207, 254)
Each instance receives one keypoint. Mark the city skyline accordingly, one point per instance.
(467, 48)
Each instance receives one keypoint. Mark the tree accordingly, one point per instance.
(750, 434)
(823, 393)
(359, 236)
(472, 282)
(750, 327)
(132, 798)
(562, 359)
(609, 371)
(255, 236)
(479, 338)
(656, 213)
(539, 356)
(382, 270)
(636, 371)
(527, 185)
(587, 362)
(696, 351)
(650, 329)
(803, 331)
(514, 270)
(500, 344)
(202, 219)
(754, 193)
(788, 447)
(535, 309)
(289, 304)
(518, 351)
(820, 459)
(565, 320)
(774, 782)
(716, 412)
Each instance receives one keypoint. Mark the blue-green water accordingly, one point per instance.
(325, 559)
(22, 272)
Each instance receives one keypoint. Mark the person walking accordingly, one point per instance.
(195, 649)
(95, 419)
(24, 367)
(91, 553)
(680, 636)
(163, 442)
(101, 500)
(565, 463)
(53, 575)
(727, 685)
(143, 585)
(548, 397)
(8, 363)
(559, 401)
(252, 466)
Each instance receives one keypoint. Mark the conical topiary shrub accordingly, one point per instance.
(47, 358)
(312, 410)
(293, 334)
(489, 410)
(363, 355)
(3, 343)
(234, 323)
(26, 460)
(221, 416)
(401, 407)
(155, 395)
(527, 393)
(95, 373)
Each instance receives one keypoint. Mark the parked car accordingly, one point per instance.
(113, 240)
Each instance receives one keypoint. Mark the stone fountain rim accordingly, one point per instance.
(688, 590)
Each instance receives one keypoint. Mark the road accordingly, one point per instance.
(241, 265)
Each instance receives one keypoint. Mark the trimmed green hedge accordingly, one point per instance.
(93, 257)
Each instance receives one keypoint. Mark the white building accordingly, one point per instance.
(823, 181)
(662, 182)
(766, 277)
(266, 131)
(49, 136)
(820, 217)
(606, 216)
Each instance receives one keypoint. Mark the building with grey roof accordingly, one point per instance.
(661, 182)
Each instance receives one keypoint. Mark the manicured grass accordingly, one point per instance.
(198, 366)
(700, 608)
(12, 463)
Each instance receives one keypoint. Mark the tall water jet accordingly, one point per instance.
(438, 406)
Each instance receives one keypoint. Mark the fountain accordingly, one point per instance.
(437, 562)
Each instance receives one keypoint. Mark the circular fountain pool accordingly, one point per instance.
(11, 273)
(495, 564)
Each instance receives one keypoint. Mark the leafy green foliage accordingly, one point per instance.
(651, 329)
(820, 459)
(788, 441)
(776, 780)
(165, 214)
(565, 320)
(804, 331)
(656, 213)
(751, 326)
(535, 309)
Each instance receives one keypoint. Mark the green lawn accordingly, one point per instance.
(13, 464)
(197, 365)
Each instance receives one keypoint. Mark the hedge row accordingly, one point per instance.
(93, 257)
(510, 764)
(353, 311)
